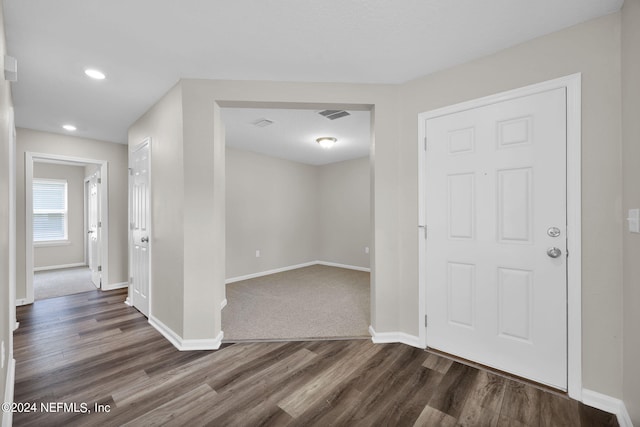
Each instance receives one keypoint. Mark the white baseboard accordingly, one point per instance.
(128, 302)
(112, 286)
(7, 416)
(22, 301)
(182, 344)
(350, 267)
(223, 304)
(58, 267)
(293, 267)
(608, 404)
(391, 337)
(268, 272)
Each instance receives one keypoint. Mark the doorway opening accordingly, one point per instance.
(298, 221)
(66, 225)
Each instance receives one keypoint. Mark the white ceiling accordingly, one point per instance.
(146, 46)
(293, 134)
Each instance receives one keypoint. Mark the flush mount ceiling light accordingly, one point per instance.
(95, 74)
(326, 141)
(70, 128)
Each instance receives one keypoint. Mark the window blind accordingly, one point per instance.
(49, 210)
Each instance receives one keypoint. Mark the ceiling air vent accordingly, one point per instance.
(334, 114)
(261, 123)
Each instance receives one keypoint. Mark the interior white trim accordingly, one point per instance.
(394, 337)
(223, 304)
(268, 272)
(59, 267)
(293, 267)
(573, 84)
(30, 158)
(182, 344)
(7, 416)
(608, 404)
(347, 266)
(112, 286)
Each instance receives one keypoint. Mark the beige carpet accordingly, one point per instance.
(66, 281)
(307, 303)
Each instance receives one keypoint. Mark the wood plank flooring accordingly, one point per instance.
(91, 349)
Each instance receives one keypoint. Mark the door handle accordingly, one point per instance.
(90, 231)
(554, 252)
(144, 239)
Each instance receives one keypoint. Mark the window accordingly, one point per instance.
(49, 210)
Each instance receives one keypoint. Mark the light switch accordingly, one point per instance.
(634, 220)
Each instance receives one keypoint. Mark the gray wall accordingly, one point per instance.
(294, 213)
(592, 48)
(345, 212)
(6, 202)
(73, 252)
(163, 123)
(271, 206)
(631, 199)
(116, 155)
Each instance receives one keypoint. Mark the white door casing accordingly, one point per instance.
(93, 229)
(140, 226)
(493, 181)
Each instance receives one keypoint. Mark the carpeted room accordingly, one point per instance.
(297, 226)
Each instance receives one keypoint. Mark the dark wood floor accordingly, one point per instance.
(90, 348)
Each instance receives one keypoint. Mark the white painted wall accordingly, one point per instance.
(116, 155)
(294, 213)
(73, 251)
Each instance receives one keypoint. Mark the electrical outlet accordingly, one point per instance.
(257, 253)
(366, 249)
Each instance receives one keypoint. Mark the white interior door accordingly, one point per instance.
(93, 229)
(496, 271)
(140, 227)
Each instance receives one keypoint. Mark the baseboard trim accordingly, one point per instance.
(268, 272)
(59, 267)
(350, 267)
(114, 286)
(608, 404)
(7, 416)
(182, 344)
(392, 337)
(294, 267)
(23, 301)
(223, 304)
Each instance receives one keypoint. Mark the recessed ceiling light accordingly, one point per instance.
(70, 128)
(326, 141)
(94, 74)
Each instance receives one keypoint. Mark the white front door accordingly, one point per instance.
(140, 227)
(496, 267)
(93, 229)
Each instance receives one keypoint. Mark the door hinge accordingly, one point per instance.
(99, 180)
(130, 171)
(99, 268)
(99, 223)
(424, 228)
(425, 320)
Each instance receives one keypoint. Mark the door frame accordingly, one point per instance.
(87, 195)
(30, 159)
(129, 299)
(572, 84)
